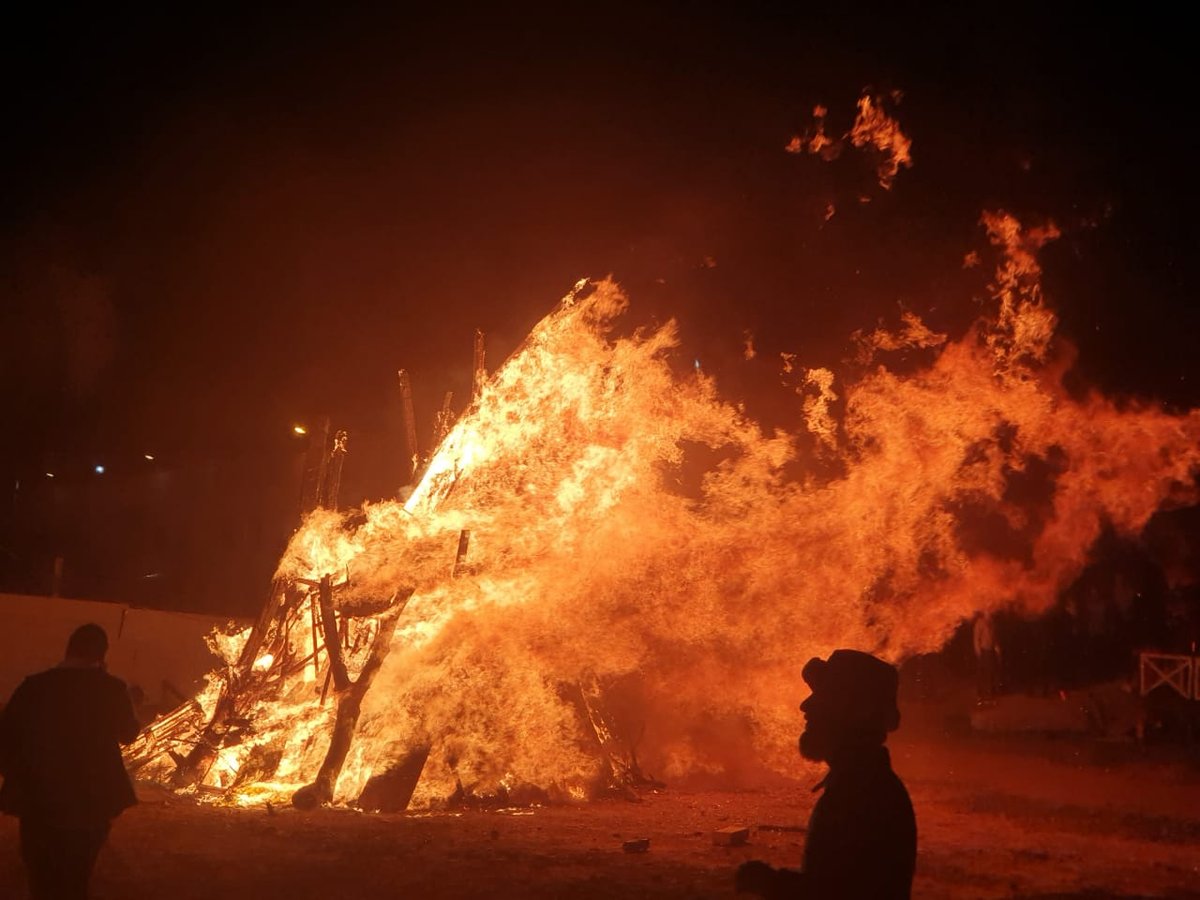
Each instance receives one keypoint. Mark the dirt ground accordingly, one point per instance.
(999, 816)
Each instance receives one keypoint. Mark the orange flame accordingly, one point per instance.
(602, 548)
(872, 127)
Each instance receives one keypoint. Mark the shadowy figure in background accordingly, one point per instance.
(987, 657)
(61, 761)
(862, 835)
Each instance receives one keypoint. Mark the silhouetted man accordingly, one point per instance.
(862, 835)
(63, 773)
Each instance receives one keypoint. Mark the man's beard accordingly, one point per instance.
(815, 745)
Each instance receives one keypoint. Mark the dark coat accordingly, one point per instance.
(862, 837)
(59, 747)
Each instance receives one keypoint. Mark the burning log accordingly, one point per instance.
(349, 707)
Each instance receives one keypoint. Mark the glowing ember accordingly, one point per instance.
(603, 553)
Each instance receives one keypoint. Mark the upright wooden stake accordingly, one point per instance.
(479, 369)
(410, 426)
(315, 462)
(333, 471)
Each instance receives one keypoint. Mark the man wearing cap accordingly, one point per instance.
(862, 835)
(61, 761)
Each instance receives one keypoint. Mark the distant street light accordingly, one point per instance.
(49, 474)
(148, 456)
(299, 429)
(99, 470)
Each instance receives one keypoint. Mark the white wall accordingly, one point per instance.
(146, 646)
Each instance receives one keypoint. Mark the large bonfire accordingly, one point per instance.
(607, 569)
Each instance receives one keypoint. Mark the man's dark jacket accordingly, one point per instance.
(59, 747)
(862, 836)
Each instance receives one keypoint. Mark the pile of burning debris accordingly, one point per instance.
(561, 552)
(315, 631)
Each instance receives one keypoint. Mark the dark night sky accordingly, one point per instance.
(215, 224)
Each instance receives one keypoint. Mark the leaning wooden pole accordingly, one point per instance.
(349, 707)
(333, 643)
(195, 765)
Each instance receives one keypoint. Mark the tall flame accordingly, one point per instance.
(629, 526)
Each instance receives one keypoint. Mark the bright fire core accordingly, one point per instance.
(603, 551)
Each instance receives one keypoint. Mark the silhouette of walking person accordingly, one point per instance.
(862, 834)
(61, 760)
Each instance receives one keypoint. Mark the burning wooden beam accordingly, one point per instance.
(333, 643)
(349, 708)
(194, 767)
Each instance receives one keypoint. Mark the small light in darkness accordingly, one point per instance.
(99, 470)
(49, 474)
(148, 456)
(299, 429)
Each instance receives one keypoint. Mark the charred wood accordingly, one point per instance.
(195, 765)
(625, 775)
(332, 483)
(316, 461)
(349, 707)
(333, 642)
(460, 559)
(410, 426)
(392, 789)
(165, 732)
